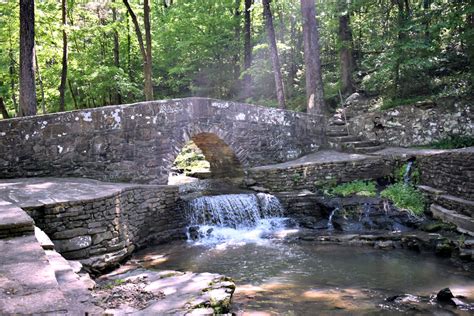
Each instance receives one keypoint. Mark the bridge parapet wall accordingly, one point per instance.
(139, 142)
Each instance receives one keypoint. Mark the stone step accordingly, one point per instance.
(14, 221)
(430, 190)
(343, 139)
(457, 204)
(337, 133)
(337, 122)
(28, 284)
(336, 128)
(364, 143)
(43, 239)
(365, 150)
(448, 201)
(463, 223)
(74, 288)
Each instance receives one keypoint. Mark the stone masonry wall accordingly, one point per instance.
(414, 125)
(451, 171)
(318, 175)
(139, 142)
(102, 231)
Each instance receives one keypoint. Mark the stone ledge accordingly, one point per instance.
(14, 221)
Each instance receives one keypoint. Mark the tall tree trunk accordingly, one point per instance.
(314, 79)
(280, 90)
(118, 96)
(147, 67)
(398, 50)
(129, 43)
(247, 48)
(11, 71)
(237, 39)
(3, 109)
(40, 81)
(27, 52)
(62, 86)
(345, 54)
(148, 64)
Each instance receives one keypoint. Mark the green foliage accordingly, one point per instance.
(191, 159)
(198, 50)
(453, 141)
(405, 197)
(358, 187)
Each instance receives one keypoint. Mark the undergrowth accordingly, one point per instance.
(358, 187)
(405, 197)
(453, 142)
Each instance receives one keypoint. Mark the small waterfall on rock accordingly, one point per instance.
(330, 224)
(241, 217)
(406, 175)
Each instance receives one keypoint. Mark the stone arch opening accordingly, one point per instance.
(223, 162)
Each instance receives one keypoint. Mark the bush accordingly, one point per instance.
(405, 197)
(358, 187)
(453, 142)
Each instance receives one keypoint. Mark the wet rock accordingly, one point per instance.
(445, 296)
(444, 248)
(194, 232)
(387, 244)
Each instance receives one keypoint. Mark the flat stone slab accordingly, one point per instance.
(31, 192)
(27, 281)
(320, 157)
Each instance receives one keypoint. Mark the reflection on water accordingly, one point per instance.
(299, 278)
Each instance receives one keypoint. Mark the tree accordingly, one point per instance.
(118, 96)
(280, 90)
(345, 53)
(247, 48)
(3, 109)
(145, 51)
(27, 58)
(62, 86)
(314, 78)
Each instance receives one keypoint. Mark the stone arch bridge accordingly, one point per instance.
(139, 142)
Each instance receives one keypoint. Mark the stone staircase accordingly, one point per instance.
(451, 209)
(35, 279)
(339, 137)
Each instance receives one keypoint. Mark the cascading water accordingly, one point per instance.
(234, 217)
(406, 175)
(330, 224)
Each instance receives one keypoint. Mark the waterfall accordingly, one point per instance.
(330, 224)
(233, 216)
(406, 175)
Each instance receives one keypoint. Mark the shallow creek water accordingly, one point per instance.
(302, 278)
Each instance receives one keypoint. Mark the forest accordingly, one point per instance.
(85, 54)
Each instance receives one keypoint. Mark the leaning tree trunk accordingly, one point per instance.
(62, 86)
(27, 58)
(280, 90)
(345, 54)
(3, 109)
(314, 79)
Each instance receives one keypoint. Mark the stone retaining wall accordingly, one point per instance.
(138, 143)
(451, 171)
(319, 175)
(414, 125)
(101, 232)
